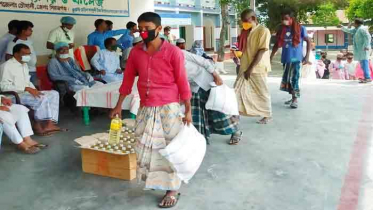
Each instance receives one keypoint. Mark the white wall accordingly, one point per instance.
(85, 25)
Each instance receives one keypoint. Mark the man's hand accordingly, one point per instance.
(103, 72)
(4, 108)
(217, 79)
(306, 61)
(33, 92)
(248, 73)
(71, 45)
(119, 71)
(116, 111)
(6, 101)
(187, 120)
(340, 26)
(366, 49)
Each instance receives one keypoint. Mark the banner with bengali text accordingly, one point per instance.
(113, 8)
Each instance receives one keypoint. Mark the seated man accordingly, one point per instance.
(15, 77)
(107, 62)
(64, 68)
(12, 115)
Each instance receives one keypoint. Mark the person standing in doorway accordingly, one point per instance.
(8, 37)
(290, 38)
(251, 85)
(362, 41)
(162, 85)
(170, 37)
(64, 34)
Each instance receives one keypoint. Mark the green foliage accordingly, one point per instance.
(271, 10)
(360, 9)
(325, 15)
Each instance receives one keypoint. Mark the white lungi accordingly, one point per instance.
(18, 115)
(46, 107)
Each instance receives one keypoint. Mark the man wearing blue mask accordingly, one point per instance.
(63, 33)
(107, 62)
(15, 77)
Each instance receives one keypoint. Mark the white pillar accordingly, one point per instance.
(177, 26)
(252, 4)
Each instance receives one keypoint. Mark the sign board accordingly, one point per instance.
(111, 8)
(176, 19)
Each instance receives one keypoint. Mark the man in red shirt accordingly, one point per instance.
(162, 84)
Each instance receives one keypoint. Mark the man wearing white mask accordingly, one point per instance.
(290, 38)
(15, 77)
(24, 32)
(63, 33)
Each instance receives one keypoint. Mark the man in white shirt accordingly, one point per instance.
(107, 62)
(63, 33)
(17, 126)
(24, 32)
(8, 37)
(15, 77)
(201, 73)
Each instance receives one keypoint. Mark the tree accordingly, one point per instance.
(360, 9)
(325, 15)
(224, 6)
(272, 9)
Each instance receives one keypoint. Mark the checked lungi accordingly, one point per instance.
(210, 122)
(290, 79)
(46, 107)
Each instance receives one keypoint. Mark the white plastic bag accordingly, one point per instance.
(186, 152)
(223, 99)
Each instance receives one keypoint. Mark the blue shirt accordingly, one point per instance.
(98, 38)
(125, 41)
(289, 52)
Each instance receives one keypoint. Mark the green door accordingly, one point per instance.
(182, 32)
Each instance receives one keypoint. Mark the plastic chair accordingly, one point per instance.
(44, 82)
(83, 56)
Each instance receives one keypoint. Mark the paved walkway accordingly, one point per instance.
(312, 158)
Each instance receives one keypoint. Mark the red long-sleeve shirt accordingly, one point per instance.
(162, 76)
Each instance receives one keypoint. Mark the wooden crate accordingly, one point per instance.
(110, 165)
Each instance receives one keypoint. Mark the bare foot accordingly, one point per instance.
(265, 120)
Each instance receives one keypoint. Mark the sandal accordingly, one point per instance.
(41, 146)
(265, 120)
(294, 105)
(30, 150)
(45, 134)
(58, 130)
(289, 102)
(236, 138)
(169, 199)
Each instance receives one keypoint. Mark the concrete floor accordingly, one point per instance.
(301, 161)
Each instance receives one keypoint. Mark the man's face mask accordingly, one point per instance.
(247, 26)
(26, 58)
(149, 35)
(64, 56)
(114, 48)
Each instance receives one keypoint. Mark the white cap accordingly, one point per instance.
(137, 40)
(180, 41)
